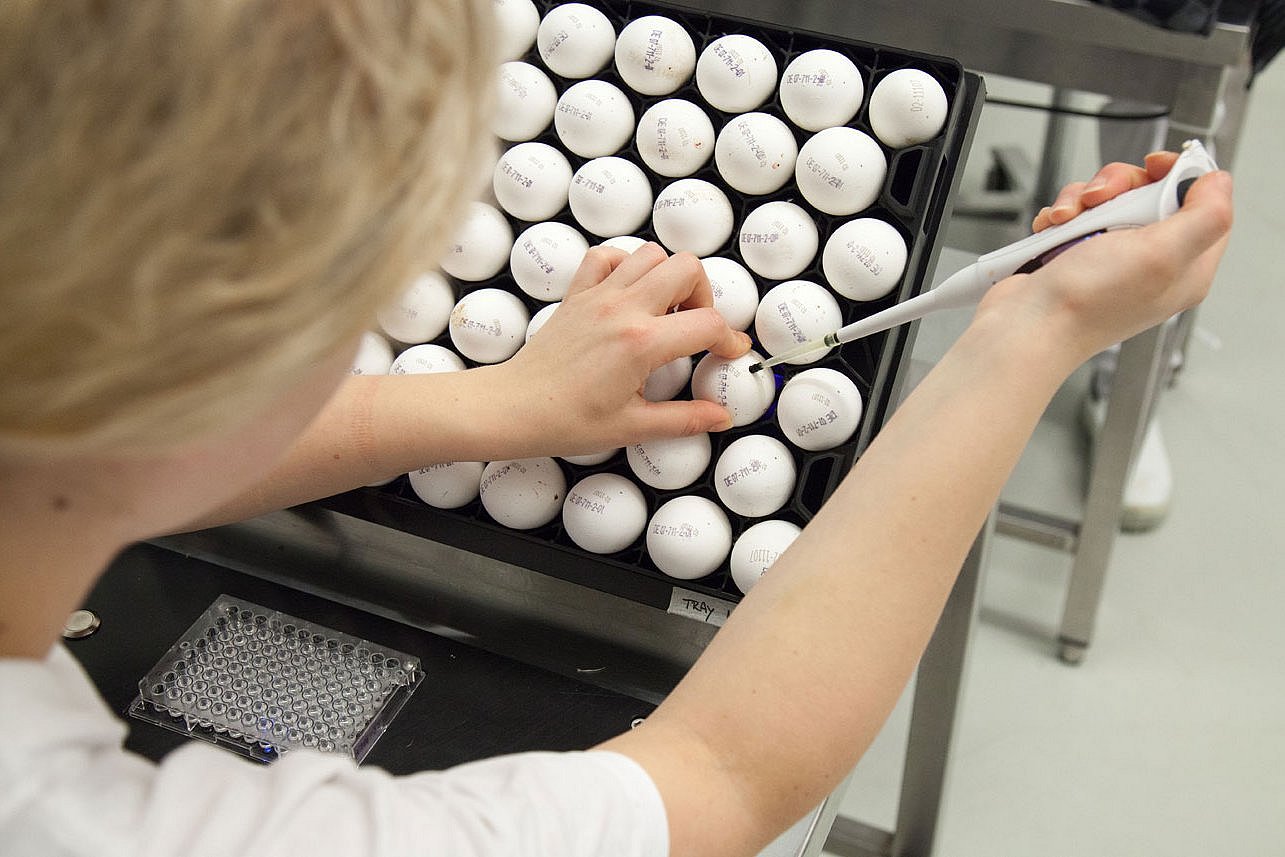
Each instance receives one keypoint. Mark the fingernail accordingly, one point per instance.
(724, 425)
(1096, 184)
(1061, 211)
(746, 341)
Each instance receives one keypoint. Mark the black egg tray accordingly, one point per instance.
(915, 199)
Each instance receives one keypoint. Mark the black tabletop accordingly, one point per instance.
(471, 705)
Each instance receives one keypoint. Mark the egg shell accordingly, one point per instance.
(841, 171)
(516, 22)
(907, 107)
(374, 355)
(604, 513)
(523, 494)
(736, 295)
(755, 475)
(757, 550)
(668, 380)
(627, 243)
(544, 259)
(575, 40)
(593, 118)
(591, 459)
(692, 215)
(675, 138)
(610, 196)
(489, 325)
(425, 360)
(524, 103)
(654, 55)
(778, 240)
(447, 486)
(819, 409)
(540, 319)
(795, 312)
(670, 463)
(531, 181)
(736, 73)
(821, 89)
(864, 259)
(689, 537)
(755, 153)
(481, 245)
(746, 395)
(421, 311)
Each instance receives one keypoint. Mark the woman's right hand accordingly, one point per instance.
(1115, 285)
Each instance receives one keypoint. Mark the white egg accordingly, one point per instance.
(675, 138)
(746, 395)
(540, 319)
(425, 360)
(627, 243)
(757, 549)
(755, 153)
(819, 409)
(531, 181)
(447, 486)
(374, 355)
(670, 463)
(610, 197)
(655, 55)
(515, 24)
(590, 459)
(778, 240)
(575, 40)
(692, 215)
(544, 259)
(524, 104)
(594, 118)
(864, 259)
(523, 494)
(821, 89)
(689, 537)
(667, 380)
(736, 295)
(421, 312)
(481, 245)
(907, 107)
(489, 325)
(604, 513)
(755, 475)
(840, 171)
(736, 73)
(793, 313)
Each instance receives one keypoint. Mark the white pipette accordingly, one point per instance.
(1134, 208)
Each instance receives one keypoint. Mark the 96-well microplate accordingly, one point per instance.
(262, 683)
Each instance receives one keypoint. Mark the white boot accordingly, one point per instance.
(1149, 488)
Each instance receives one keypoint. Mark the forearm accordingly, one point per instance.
(797, 684)
(377, 427)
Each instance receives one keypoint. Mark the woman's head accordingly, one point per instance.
(200, 202)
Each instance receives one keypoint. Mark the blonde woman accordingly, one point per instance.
(201, 207)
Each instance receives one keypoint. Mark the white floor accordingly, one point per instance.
(1170, 738)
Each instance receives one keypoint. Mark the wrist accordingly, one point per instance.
(1030, 337)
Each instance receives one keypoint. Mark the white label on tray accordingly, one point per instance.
(702, 608)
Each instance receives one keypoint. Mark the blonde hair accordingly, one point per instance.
(200, 201)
